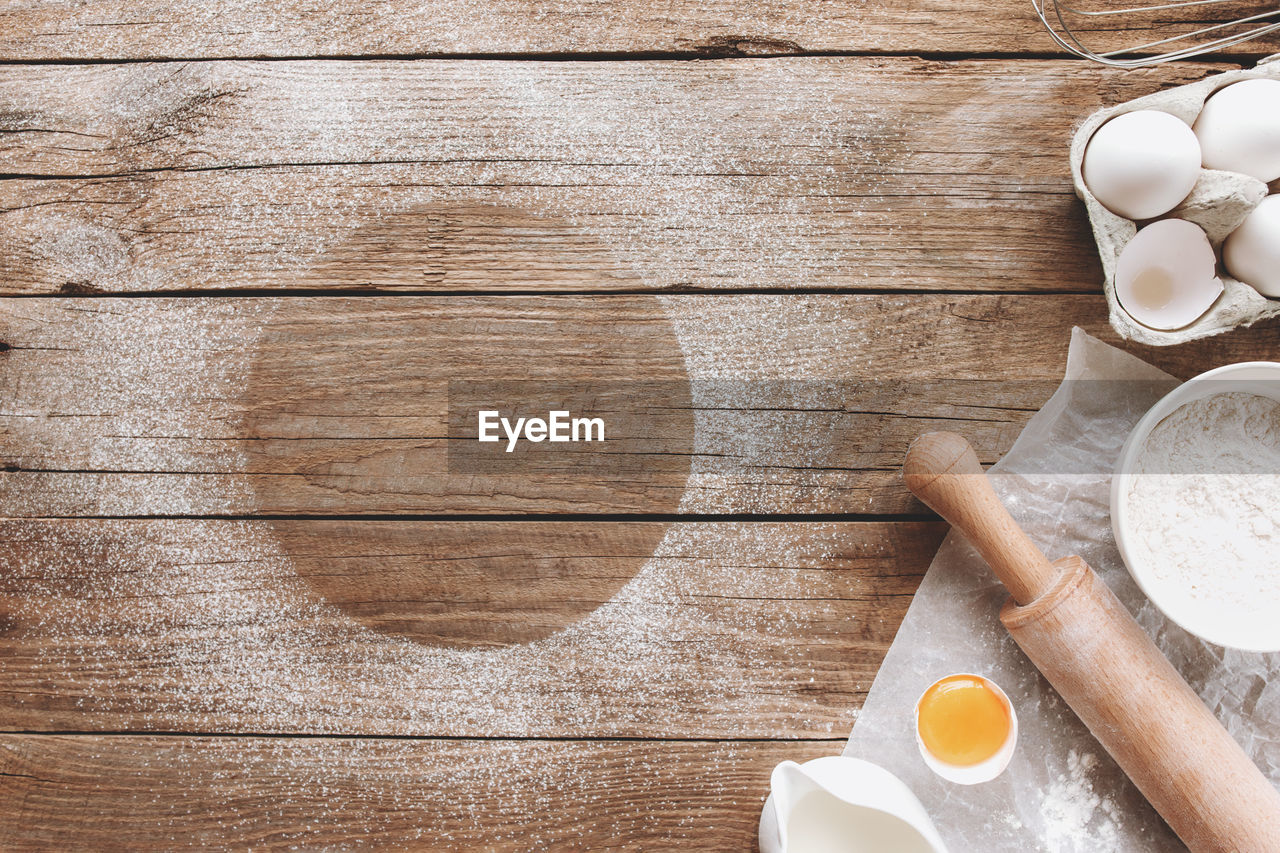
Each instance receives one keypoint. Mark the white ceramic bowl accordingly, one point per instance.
(1254, 377)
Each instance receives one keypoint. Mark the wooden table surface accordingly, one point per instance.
(245, 601)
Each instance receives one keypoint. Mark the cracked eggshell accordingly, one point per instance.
(1165, 276)
(1219, 202)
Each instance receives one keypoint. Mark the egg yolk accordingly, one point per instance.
(962, 720)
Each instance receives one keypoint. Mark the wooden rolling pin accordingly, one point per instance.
(1103, 664)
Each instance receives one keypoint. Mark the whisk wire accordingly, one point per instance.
(1194, 43)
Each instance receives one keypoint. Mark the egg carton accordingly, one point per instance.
(1219, 203)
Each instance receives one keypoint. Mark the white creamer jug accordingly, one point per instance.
(843, 805)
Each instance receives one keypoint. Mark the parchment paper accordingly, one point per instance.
(1061, 792)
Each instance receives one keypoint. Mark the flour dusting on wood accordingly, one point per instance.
(204, 623)
(131, 388)
(749, 175)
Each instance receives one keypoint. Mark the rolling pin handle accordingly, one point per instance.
(943, 471)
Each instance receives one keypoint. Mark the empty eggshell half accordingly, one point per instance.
(1142, 164)
(1239, 129)
(1252, 251)
(1165, 276)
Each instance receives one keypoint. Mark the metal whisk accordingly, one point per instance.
(1068, 23)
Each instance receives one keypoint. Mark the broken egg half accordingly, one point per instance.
(966, 728)
(1166, 276)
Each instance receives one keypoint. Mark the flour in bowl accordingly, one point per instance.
(1204, 513)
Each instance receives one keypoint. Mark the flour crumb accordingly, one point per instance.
(1076, 817)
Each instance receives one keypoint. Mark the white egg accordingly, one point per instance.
(1239, 129)
(1252, 251)
(1142, 164)
(1165, 277)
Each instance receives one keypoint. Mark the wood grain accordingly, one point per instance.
(164, 406)
(705, 641)
(889, 173)
(114, 29)
(753, 629)
(131, 793)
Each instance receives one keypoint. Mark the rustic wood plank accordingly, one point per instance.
(762, 403)
(152, 793)
(115, 29)
(890, 173)
(613, 629)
